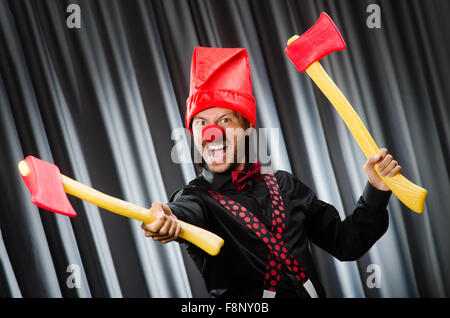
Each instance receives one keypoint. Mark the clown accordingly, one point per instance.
(266, 220)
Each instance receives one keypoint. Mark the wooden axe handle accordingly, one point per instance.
(207, 241)
(407, 192)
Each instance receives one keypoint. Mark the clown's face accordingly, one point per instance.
(225, 153)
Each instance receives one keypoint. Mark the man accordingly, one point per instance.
(266, 220)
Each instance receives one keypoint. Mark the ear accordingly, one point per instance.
(246, 122)
(248, 127)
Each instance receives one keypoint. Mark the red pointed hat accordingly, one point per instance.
(220, 77)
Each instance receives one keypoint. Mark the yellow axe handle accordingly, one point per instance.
(407, 192)
(207, 241)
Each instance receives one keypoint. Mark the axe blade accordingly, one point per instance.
(320, 40)
(43, 180)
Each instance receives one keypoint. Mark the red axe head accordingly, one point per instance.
(43, 179)
(320, 40)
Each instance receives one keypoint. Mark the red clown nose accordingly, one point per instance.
(211, 133)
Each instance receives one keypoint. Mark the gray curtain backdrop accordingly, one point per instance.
(102, 101)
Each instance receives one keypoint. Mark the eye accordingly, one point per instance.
(199, 123)
(225, 120)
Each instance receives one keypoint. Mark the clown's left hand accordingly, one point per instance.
(387, 166)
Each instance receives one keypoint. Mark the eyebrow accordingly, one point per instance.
(231, 112)
(224, 115)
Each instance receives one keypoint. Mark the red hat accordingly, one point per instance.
(220, 77)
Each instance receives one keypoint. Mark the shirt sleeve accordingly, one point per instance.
(188, 208)
(347, 239)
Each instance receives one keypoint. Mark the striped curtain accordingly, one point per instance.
(101, 101)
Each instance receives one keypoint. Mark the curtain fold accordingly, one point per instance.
(106, 103)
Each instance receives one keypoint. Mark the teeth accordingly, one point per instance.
(215, 147)
(216, 152)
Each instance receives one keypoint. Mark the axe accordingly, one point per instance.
(305, 51)
(48, 188)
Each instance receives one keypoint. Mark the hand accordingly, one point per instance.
(165, 228)
(386, 166)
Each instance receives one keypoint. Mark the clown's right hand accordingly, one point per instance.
(165, 228)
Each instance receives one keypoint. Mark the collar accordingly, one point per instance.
(217, 180)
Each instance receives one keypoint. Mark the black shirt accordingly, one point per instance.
(238, 270)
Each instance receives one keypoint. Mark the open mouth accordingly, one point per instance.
(215, 153)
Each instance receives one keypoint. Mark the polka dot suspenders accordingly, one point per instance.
(278, 253)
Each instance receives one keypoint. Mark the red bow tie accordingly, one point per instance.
(239, 177)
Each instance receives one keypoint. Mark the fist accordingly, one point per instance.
(165, 228)
(387, 166)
